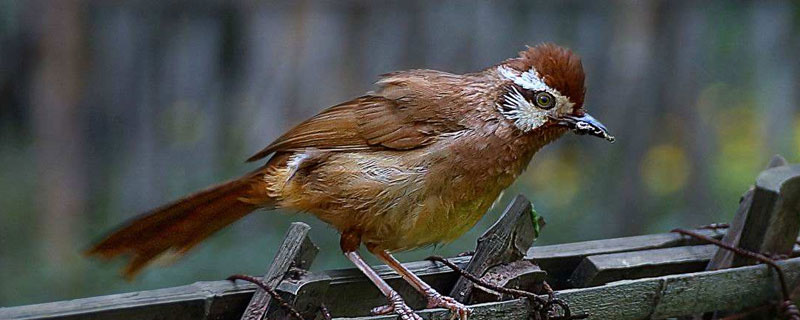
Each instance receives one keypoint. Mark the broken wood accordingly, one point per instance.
(521, 275)
(506, 241)
(296, 250)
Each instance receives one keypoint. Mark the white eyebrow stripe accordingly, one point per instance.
(529, 79)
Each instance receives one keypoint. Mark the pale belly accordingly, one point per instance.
(397, 204)
(441, 223)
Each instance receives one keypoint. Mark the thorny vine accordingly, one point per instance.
(545, 308)
(787, 308)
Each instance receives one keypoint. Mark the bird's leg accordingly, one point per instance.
(435, 299)
(350, 244)
(396, 303)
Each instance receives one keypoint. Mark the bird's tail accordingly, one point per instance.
(180, 225)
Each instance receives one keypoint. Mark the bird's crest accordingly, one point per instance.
(558, 67)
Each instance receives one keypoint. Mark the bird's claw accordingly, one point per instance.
(458, 310)
(397, 306)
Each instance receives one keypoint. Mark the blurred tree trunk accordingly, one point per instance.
(57, 127)
(632, 61)
(775, 72)
(681, 93)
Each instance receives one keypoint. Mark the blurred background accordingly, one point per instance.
(110, 108)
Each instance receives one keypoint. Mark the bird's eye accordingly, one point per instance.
(544, 100)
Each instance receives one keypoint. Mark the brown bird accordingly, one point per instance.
(416, 162)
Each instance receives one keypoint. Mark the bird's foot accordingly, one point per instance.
(458, 310)
(397, 306)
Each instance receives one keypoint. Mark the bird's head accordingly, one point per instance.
(544, 87)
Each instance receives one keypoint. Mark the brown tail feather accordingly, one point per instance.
(180, 225)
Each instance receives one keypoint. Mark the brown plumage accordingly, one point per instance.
(560, 68)
(416, 162)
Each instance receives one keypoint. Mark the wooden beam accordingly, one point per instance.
(651, 298)
(600, 269)
(561, 259)
(505, 241)
(296, 249)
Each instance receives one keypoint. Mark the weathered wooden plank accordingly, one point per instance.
(506, 240)
(605, 268)
(619, 300)
(578, 250)
(289, 252)
(561, 259)
(653, 298)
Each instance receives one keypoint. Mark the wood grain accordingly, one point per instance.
(290, 252)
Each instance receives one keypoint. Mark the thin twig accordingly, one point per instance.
(272, 293)
(544, 306)
(484, 283)
(714, 226)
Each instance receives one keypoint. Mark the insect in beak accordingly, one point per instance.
(585, 124)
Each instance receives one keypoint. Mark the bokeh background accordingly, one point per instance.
(109, 108)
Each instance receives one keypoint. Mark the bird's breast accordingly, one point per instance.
(406, 199)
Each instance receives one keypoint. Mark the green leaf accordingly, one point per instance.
(536, 226)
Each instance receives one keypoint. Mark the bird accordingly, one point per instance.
(415, 162)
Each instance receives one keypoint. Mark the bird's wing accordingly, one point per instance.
(395, 117)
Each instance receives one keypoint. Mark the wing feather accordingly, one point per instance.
(396, 117)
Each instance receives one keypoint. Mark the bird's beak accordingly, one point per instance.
(585, 124)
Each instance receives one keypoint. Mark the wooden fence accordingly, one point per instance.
(644, 277)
